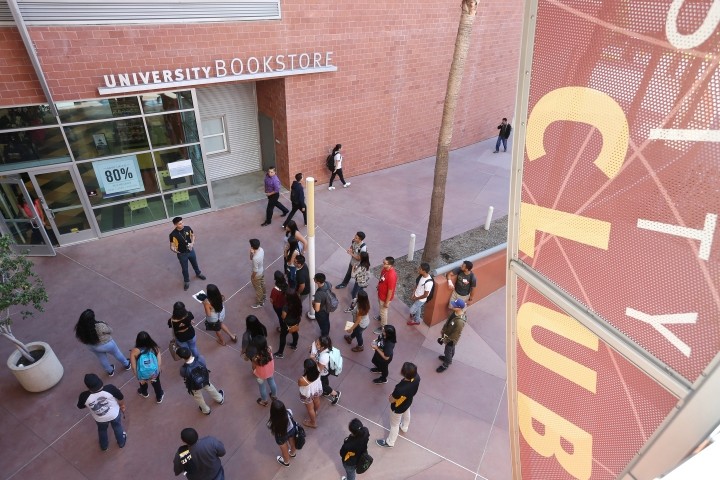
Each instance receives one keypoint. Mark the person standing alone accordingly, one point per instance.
(503, 135)
(337, 160)
(182, 242)
(272, 190)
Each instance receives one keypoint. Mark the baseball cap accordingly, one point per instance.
(459, 303)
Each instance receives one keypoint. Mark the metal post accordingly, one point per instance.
(310, 206)
(411, 248)
(489, 218)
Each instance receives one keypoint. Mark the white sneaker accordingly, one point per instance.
(346, 185)
(331, 188)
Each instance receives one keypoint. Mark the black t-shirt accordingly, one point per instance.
(181, 238)
(183, 329)
(464, 282)
(289, 320)
(303, 276)
(404, 392)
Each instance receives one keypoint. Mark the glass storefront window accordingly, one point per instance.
(131, 176)
(192, 153)
(103, 108)
(172, 129)
(32, 148)
(93, 140)
(21, 117)
(166, 102)
(130, 214)
(186, 201)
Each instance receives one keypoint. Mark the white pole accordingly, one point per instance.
(411, 248)
(310, 206)
(489, 218)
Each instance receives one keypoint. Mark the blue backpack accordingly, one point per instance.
(147, 365)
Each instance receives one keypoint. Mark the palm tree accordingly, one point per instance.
(431, 251)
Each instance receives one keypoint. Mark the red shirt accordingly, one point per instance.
(388, 281)
(277, 298)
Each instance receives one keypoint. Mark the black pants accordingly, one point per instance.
(323, 321)
(274, 201)
(283, 339)
(296, 207)
(346, 280)
(325, 381)
(337, 172)
(382, 364)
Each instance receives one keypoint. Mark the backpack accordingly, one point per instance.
(186, 460)
(431, 293)
(198, 378)
(147, 365)
(332, 302)
(335, 364)
(330, 162)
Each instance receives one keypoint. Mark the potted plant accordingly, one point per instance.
(34, 364)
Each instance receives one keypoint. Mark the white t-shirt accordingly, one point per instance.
(257, 261)
(323, 358)
(338, 161)
(422, 287)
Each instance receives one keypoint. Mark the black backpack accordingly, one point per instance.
(330, 162)
(431, 293)
(198, 378)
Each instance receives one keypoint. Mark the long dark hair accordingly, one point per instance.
(311, 371)
(325, 342)
(390, 334)
(363, 303)
(293, 229)
(278, 418)
(85, 328)
(179, 311)
(294, 304)
(292, 246)
(144, 341)
(263, 356)
(280, 281)
(215, 297)
(254, 326)
(357, 429)
(365, 260)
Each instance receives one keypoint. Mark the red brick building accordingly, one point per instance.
(233, 87)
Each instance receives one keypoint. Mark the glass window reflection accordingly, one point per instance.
(103, 108)
(172, 129)
(101, 139)
(96, 192)
(166, 101)
(21, 117)
(32, 148)
(186, 201)
(192, 153)
(130, 214)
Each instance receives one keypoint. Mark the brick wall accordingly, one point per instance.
(384, 104)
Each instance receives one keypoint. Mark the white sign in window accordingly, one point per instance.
(214, 135)
(181, 168)
(118, 176)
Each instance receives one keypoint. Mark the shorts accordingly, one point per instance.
(282, 439)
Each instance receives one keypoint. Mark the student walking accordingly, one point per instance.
(320, 353)
(337, 167)
(353, 447)
(297, 199)
(107, 405)
(215, 310)
(197, 379)
(400, 401)
(356, 247)
(272, 191)
(311, 389)
(283, 427)
(97, 337)
(146, 360)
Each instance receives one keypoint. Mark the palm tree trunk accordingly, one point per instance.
(431, 251)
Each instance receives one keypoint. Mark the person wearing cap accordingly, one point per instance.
(106, 405)
(450, 333)
(182, 242)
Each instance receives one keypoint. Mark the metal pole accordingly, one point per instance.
(489, 218)
(310, 206)
(411, 248)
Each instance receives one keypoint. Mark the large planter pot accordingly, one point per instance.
(41, 375)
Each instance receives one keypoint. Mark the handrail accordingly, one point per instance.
(478, 256)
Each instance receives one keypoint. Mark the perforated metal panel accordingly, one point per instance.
(94, 12)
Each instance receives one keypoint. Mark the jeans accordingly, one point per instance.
(323, 320)
(416, 310)
(296, 207)
(263, 387)
(355, 290)
(214, 394)
(190, 344)
(157, 388)
(349, 471)
(117, 430)
(258, 283)
(283, 338)
(337, 172)
(183, 259)
(395, 420)
(357, 334)
(109, 348)
(504, 142)
(291, 270)
(274, 201)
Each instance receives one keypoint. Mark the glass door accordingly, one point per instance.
(23, 219)
(58, 193)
